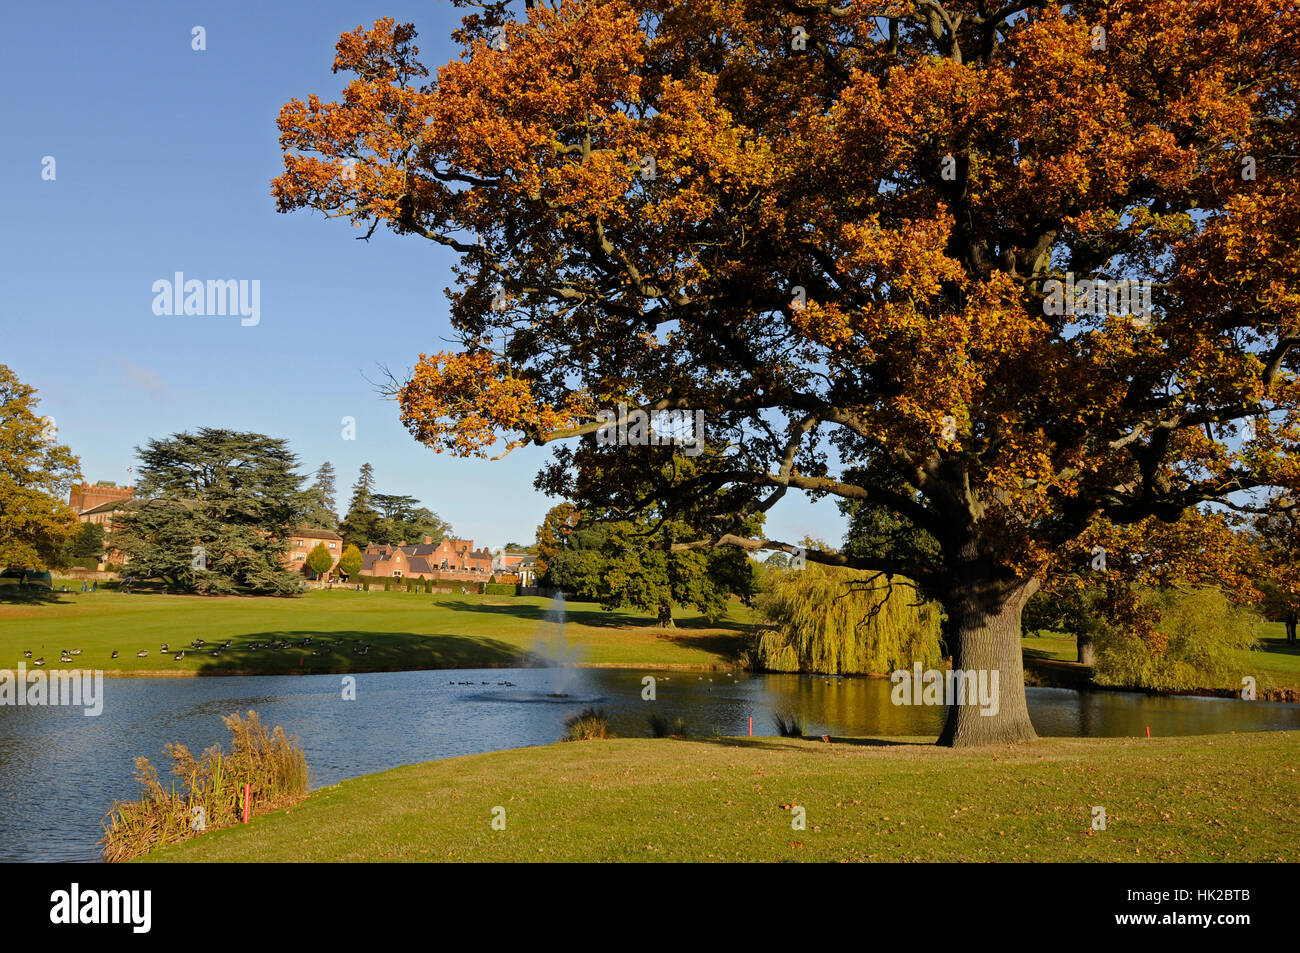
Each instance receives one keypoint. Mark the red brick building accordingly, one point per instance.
(449, 559)
(100, 504)
(302, 541)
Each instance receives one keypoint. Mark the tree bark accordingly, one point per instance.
(1087, 649)
(666, 616)
(1290, 629)
(986, 623)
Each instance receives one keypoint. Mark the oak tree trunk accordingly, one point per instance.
(1087, 649)
(666, 615)
(1290, 630)
(986, 628)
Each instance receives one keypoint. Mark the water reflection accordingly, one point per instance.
(60, 771)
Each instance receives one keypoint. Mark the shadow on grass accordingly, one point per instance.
(1040, 654)
(786, 744)
(33, 596)
(591, 615)
(724, 645)
(336, 651)
(1277, 646)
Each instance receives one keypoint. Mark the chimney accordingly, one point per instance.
(428, 540)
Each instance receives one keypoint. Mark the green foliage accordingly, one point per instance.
(271, 764)
(1200, 629)
(86, 543)
(500, 589)
(319, 560)
(622, 563)
(402, 521)
(35, 473)
(318, 501)
(841, 621)
(350, 561)
(212, 511)
(362, 519)
(590, 724)
(662, 727)
(789, 724)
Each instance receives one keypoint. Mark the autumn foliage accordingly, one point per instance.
(833, 228)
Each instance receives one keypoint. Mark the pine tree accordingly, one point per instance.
(362, 520)
(320, 506)
(212, 511)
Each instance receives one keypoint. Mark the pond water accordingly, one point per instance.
(60, 771)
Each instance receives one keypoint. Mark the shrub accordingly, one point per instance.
(1197, 635)
(590, 724)
(788, 724)
(365, 585)
(843, 622)
(351, 560)
(211, 788)
(499, 589)
(661, 727)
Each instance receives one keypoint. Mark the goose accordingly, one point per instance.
(40, 661)
(114, 653)
(179, 655)
(27, 654)
(142, 653)
(164, 648)
(76, 651)
(215, 653)
(66, 659)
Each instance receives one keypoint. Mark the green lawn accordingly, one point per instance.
(1274, 664)
(405, 631)
(1207, 798)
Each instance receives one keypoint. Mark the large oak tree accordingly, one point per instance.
(35, 474)
(831, 226)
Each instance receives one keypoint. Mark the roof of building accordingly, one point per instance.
(305, 533)
(112, 506)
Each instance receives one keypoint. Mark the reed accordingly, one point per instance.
(210, 793)
(588, 725)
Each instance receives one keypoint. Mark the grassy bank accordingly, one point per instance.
(405, 631)
(1275, 665)
(1208, 798)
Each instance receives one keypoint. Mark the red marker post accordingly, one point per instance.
(1148, 731)
(751, 726)
(247, 800)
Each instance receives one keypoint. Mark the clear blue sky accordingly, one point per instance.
(164, 157)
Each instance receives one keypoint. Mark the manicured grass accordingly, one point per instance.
(405, 631)
(1274, 664)
(1207, 798)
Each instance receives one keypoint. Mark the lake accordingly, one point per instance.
(60, 771)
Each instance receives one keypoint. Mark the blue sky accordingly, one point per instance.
(163, 160)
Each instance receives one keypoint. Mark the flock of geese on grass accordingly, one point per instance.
(358, 648)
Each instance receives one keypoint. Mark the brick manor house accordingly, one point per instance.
(450, 559)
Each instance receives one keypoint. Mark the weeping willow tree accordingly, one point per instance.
(844, 622)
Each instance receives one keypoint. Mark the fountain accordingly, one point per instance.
(549, 650)
(554, 650)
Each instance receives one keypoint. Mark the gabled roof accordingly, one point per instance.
(315, 534)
